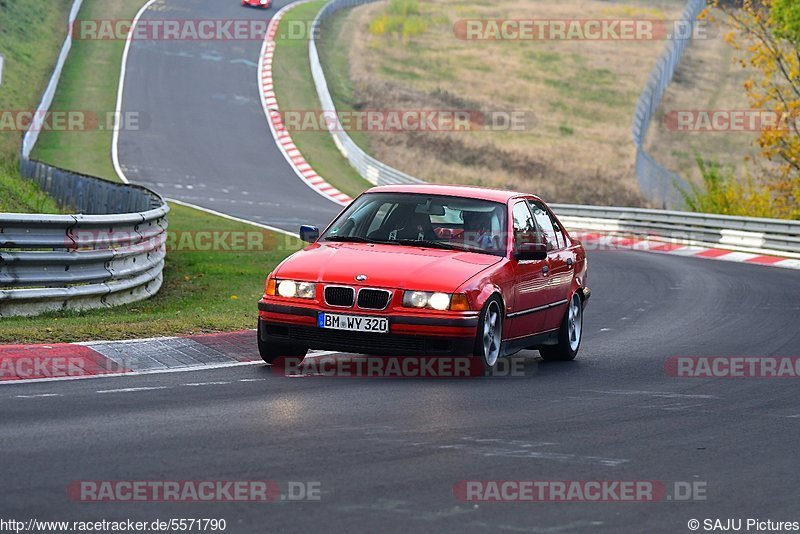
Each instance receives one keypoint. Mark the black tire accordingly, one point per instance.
(568, 347)
(493, 306)
(270, 352)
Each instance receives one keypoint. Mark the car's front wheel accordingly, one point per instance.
(569, 335)
(489, 339)
(270, 352)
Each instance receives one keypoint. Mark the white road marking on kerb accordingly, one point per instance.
(39, 396)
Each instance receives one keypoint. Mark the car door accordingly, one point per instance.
(560, 264)
(529, 310)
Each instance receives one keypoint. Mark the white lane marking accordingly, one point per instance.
(121, 91)
(197, 384)
(231, 217)
(660, 394)
(253, 380)
(39, 396)
(131, 374)
(151, 371)
(132, 390)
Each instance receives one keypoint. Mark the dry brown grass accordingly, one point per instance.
(582, 94)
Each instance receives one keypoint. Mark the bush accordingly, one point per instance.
(724, 194)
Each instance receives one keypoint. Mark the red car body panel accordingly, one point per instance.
(534, 293)
(257, 3)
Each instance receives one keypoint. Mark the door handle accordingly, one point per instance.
(569, 262)
(545, 270)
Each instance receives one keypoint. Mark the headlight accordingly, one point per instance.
(292, 289)
(439, 301)
(415, 299)
(424, 299)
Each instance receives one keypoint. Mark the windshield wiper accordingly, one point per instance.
(350, 239)
(429, 244)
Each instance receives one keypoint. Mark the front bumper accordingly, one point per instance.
(430, 334)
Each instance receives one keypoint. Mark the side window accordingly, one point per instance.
(524, 225)
(546, 224)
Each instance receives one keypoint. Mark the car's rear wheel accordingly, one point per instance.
(489, 339)
(569, 335)
(271, 352)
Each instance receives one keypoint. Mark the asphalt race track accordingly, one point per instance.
(204, 137)
(387, 453)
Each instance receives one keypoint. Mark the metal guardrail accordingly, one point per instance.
(374, 171)
(110, 252)
(745, 234)
(32, 135)
(96, 258)
(656, 183)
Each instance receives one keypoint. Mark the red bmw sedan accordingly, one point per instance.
(430, 270)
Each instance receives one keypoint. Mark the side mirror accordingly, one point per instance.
(309, 234)
(530, 251)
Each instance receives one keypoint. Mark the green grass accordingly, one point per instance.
(294, 89)
(203, 291)
(333, 47)
(18, 195)
(89, 83)
(29, 62)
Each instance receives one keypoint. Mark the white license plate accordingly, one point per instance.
(356, 323)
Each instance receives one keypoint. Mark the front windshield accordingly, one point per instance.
(423, 220)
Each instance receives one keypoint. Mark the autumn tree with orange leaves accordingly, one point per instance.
(767, 35)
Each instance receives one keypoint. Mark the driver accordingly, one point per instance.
(478, 230)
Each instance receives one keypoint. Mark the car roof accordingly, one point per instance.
(466, 191)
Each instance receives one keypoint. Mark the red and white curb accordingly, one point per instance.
(271, 109)
(601, 241)
(69, 361)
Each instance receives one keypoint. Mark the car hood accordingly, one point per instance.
(390, 266)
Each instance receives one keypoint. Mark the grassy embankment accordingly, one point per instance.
(578, 96)
(204, 290)
(30, 40)
(295, 91)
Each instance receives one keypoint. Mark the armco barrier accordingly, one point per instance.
(32, 135)
(371, 169)
(110, 252)
(745, 234)
(88, 260)
(656, 183)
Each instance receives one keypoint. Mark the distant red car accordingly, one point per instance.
(257, 3)
(433, 270)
